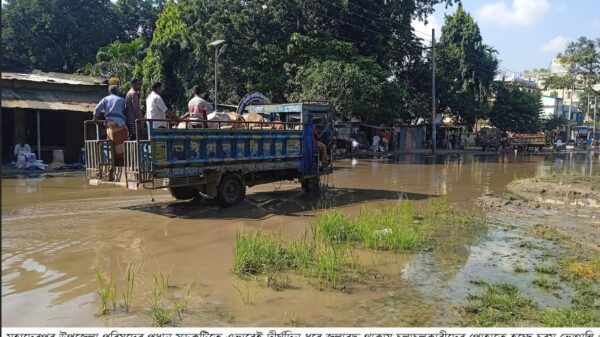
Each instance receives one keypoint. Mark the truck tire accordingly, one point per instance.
(231, 190)
(310, 185)
(184, 192)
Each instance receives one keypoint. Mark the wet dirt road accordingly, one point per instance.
(56, 231)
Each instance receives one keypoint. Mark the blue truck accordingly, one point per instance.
(218, 162)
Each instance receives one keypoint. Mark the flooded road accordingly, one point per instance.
(56, 231)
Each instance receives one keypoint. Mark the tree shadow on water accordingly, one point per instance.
(261, 205)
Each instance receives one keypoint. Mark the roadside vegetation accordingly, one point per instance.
(502, 304)
(166, 305)
(328, 251)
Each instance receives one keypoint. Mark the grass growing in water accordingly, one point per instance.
(392, 228)
(544, 282)
(569, 317)
(257, 253)
(326, 251)
(546, 269)
(520, 269)
(107, 291)
(165, 308)
(131, 272)
(500, 304)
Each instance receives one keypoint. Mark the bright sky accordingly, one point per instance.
(527, 33)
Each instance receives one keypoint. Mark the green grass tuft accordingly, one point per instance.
(500, 304)
(546, 283)
(570, 317)
(257, 253)
(107, 290)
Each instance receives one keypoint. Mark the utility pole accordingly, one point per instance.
(433, 130)
(594, 119)
(569, 118)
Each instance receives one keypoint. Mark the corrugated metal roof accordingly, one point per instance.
(50, 99)
(58, 78)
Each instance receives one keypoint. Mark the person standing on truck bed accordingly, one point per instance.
(113, 107)
(133, 109)
(197, 109)
(156, 107)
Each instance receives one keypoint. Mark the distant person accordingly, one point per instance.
(113, 107)
(197, 109)
(133, 109)
(156, 107)
(375, 144)
(21, 147)
(559, 145)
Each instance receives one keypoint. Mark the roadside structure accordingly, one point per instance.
(47, 110)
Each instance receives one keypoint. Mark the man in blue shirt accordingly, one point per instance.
(112, 106)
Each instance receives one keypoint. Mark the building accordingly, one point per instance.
(553, 107)
(47, 110)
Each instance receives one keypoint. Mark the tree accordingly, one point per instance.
(56, 35)
(516, 110)
(270, 41)
(137, 18)
(555, 123)
(583, 60)
(466, 68)
(120, 60)
(354, 93)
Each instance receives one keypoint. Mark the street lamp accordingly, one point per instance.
(216, 44)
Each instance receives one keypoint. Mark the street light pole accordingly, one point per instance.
(216, 65)
(216, 44)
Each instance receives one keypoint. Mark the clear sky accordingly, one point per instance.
(527, 33)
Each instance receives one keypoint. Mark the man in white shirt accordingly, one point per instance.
(156, 107)
(21, 147)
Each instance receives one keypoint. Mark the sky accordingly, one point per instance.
(526, 33)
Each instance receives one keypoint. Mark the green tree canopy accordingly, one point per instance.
(64, 35)
(56, 35)
(516, 110)
(122, 60)
(583, 60)
(269, 42)
(466, 68)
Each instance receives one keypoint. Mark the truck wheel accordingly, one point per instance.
(184, 192)
(231, 190)
(310, 185)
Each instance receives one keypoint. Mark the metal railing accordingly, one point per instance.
(99, 153)
(216, 124)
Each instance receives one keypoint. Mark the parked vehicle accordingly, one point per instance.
(527, 141)
(218, 162)
(489, 138)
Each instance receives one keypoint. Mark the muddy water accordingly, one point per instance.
(56, 231)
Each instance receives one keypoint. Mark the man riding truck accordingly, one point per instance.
(320, 146)
(113, 107)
